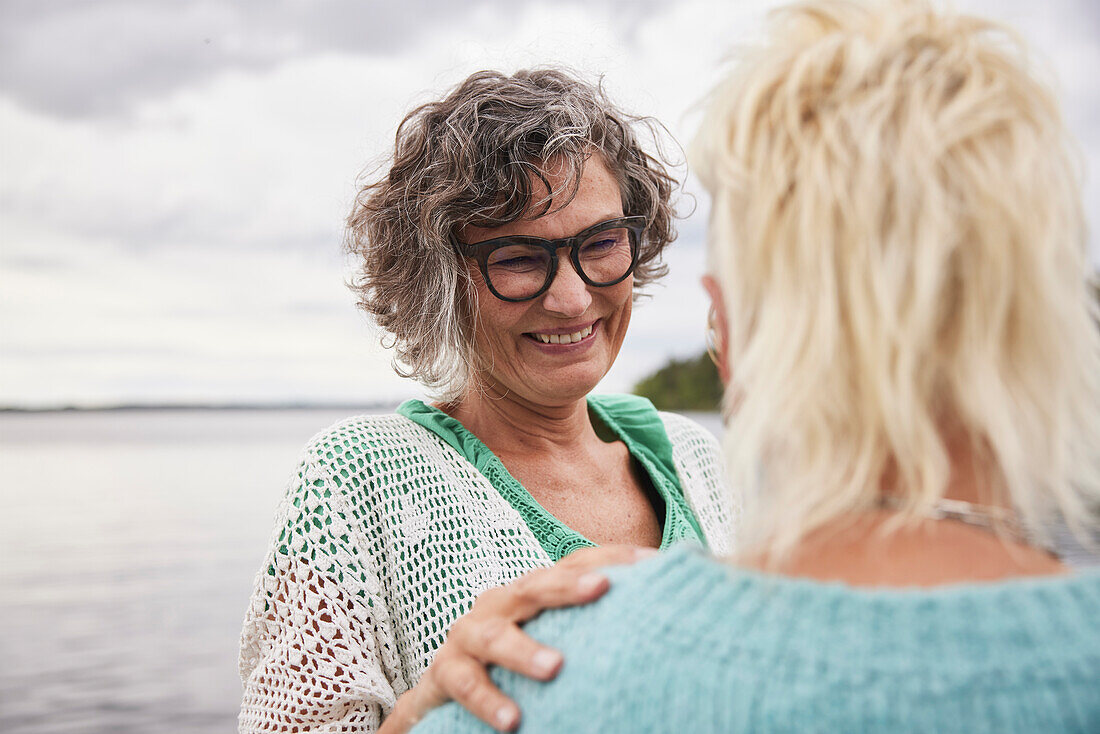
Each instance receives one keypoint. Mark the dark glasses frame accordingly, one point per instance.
(481, 251)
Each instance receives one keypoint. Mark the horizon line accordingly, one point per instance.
(288, 405)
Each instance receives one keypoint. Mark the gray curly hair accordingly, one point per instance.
(469, 159)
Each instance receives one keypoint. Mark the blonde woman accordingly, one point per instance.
(903, 325)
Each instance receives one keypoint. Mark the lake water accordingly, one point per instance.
(129, 542)
(128, 546)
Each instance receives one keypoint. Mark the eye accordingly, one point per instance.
(518, 259)
(600, 244)
(515, 263)
(605, 242)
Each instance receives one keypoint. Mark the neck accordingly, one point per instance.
(865, 548)
(508, 424)
(971, 476)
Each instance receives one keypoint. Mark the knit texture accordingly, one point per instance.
(389, 532)
(633, 420)
(686, 644)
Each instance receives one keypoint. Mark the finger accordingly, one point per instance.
(557, 586)
(565, 583)
(423, 697)
(407, 711)
(573, 580)
(466, 681)
(514, 649)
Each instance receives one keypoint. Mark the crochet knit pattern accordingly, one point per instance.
(386, 536)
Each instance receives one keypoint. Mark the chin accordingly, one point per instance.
(569, 388)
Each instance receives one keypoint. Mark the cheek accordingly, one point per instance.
(481, 306)
(620, 303)
(623, 298)
(497, 320)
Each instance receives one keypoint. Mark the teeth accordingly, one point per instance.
(564, 338)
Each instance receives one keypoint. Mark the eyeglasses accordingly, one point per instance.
(520, 268)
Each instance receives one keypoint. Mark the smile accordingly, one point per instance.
(571, 338)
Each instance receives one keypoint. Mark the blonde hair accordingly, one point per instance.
(898, 236)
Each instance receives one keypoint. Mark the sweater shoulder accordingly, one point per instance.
(364, 435)
(684, 432)
(356, 466)
(684, 643)
(736, 643)
(366, 447)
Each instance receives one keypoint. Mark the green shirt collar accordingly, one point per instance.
(632, 419)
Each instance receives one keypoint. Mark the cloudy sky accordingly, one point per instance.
(176, 173)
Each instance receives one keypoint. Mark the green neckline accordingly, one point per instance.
(632, 419)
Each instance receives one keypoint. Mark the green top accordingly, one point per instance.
(632, 419)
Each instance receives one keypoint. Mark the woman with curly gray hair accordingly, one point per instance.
(501, 253)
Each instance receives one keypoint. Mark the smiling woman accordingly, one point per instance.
(502, 252)
(523, 330)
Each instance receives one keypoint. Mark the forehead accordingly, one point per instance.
(598, 199)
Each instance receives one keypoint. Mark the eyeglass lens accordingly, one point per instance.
(520, 271)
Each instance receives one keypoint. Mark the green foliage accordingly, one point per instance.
(688, 384)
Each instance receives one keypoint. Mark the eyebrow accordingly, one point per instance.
(597, 223)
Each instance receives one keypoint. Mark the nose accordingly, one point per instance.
(568, 295)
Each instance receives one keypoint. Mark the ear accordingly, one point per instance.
(721, 326)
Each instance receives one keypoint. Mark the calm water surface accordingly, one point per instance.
(129, 542)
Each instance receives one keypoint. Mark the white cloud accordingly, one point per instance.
(190, 248)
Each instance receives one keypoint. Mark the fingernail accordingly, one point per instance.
(507, 717)
(590, 582)
(545, 661)
(640, 553)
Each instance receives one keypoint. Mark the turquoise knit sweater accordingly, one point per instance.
(686, 644)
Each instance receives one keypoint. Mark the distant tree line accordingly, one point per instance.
(1096, 290)
(683, 384)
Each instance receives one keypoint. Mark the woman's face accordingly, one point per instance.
(513, 359)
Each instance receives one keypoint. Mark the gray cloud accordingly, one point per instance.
(157, 245)
(32, 263)
(72, 58)
(1090, 14)
(114, 351)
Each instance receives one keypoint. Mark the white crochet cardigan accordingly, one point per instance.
(385, 537)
